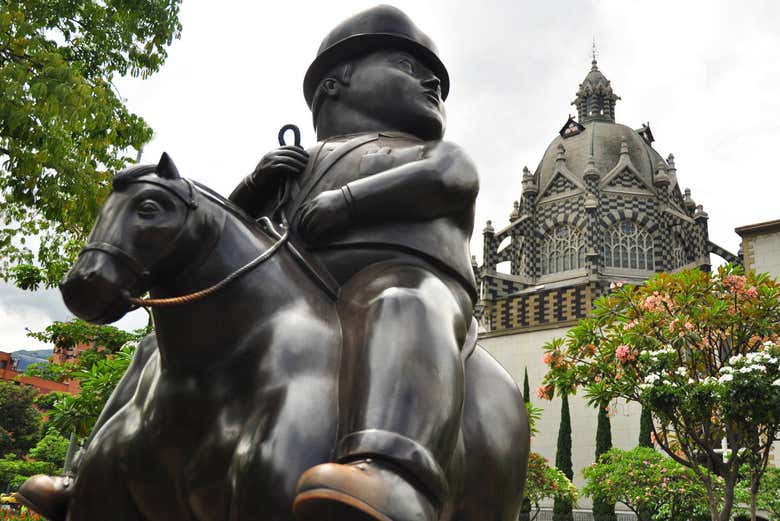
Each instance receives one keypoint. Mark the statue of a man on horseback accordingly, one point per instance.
(387, 208)
(354, 403)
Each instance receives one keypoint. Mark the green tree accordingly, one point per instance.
(78, 413)
(646, 428)
(526, 388)
(63, 126)
(525, 510)
(543, 481)
(67, 335)
(768, 495)
(699, 351)
(52, 448)
(603, 509)
(562, 507)
(645, 481)
(15, 471)
(20, 422)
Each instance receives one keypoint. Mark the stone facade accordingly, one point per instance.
(603, 206)
(761, 253)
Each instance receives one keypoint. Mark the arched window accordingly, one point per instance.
(628, 245)
(562, 249)
(679, 258)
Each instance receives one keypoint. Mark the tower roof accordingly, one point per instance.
(595, 100)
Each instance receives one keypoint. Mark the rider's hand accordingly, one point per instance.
(323, 215)
(286, 160)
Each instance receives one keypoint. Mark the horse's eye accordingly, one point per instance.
(149, 208)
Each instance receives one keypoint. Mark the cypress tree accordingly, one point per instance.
(562, 510)
(526, 388)
(646, 428)
(603, 511)
(526, 508)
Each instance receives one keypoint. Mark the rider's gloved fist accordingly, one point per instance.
(325, 214)
(285, 160)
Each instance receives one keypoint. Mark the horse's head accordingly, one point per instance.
(143, 233)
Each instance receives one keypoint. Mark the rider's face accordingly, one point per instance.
(398, 90)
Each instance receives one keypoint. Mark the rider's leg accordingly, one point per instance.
(401, 392)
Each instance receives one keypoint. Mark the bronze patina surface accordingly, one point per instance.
(340, 377)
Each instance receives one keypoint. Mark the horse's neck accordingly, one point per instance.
(194, 334)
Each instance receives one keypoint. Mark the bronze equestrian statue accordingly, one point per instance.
(338, 377)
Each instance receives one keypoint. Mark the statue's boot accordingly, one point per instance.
(363, 490)
(47, 495)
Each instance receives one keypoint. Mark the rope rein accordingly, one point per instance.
(197, 295)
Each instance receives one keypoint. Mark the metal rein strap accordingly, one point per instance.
(191, 297)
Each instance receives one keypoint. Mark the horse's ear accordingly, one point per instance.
(166, 168)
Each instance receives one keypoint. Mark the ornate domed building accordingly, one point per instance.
(602, 206)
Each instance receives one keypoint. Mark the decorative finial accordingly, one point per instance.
(670, 160)
(488, 227)
(591, 172)
(561, 153)
(529, 186)
(661, 178)
(688, 201)
(594, 54)
(515, 215)
(623, 148)
(700, 214)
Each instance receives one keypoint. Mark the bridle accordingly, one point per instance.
(243, 270)
(142, 274)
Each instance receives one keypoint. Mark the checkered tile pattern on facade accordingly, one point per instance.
(612, 208)
(551, 211)
(489, 251)
(539, 308)
(496, 287)
(626, 179)
(559, 185)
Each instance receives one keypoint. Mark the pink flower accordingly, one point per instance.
(547, 358)
(624, 354)
(752, 292)
(688, 326)
(544, 392)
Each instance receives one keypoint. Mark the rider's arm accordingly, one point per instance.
(442, 181)
(259, 190)
(253, 197)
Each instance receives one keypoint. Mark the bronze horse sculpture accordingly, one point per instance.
(235, 395)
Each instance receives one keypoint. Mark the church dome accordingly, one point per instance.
(603, 141)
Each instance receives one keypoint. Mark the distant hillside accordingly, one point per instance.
(43, 354)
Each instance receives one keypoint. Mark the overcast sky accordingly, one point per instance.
(706, 75)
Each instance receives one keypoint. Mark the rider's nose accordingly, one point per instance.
(432, 83)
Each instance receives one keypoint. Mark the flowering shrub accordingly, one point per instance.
(697, 349)
(543, 481)
(645, 481)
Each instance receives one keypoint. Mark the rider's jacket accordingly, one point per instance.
(439, 239)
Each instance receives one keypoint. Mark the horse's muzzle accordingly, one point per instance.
(94, 290)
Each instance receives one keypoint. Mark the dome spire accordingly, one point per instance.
(595, 99)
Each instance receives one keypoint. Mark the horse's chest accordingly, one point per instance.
(188, 418)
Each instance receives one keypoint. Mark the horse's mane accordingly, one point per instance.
(124, 176)
(225, 204)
